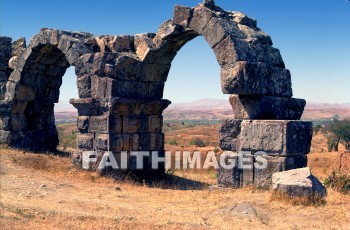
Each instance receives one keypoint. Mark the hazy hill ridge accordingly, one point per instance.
(216, 109)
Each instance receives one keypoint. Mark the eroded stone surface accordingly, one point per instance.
(298, 183)
(267, 107)
(273, 137)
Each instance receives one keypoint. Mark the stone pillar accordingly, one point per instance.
(5, 55)
(124, 125)
(273, 145)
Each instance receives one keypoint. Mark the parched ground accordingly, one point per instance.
(41, 191)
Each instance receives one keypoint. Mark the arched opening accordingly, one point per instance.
(65, 113)
(193, 85)
(36, 91)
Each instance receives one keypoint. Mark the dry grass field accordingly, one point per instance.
(45, 191)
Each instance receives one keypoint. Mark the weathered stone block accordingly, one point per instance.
(243, 19)
(228, 134)
(267, 107)
(19, 107)
(200, 19)
(134, 124)
(263, 175)
(151, 141)
(98, 124)
(182, 15)
(298, 183)
(5, 122)
(156, 72)
(115, 124)
(85, 141)
(232, 49)
(93, 64)
(155, 123)
(156, 106)
(127, 106)
(21, 92)
(245, 78)
(87, 106)
(18, 122)
(144, 44)
(6, 137)
(76, 51)
(298, 137)
(170, 38)
(40, 108)
(84, 86)
(131, 89)
(238, 172)
(156, 90)
(135, 142)
(284, 138)
(218, 29)
(42, 122)
(120, 142)
(160, 56)
(5, 41)
(49, 95)
(156, 141)
(98, 87)
(102, 142)
(255, 35)
(126, 67)
(83, 124)
(18, 46)
(122, 43)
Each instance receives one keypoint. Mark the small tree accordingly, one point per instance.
(331, 140)
(341, 132)
(317, 128)
(197, 142)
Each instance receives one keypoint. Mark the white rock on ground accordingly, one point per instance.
(298, 182)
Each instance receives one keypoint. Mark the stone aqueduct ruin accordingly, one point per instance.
(121, 79)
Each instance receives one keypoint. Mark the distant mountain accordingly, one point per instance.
(65, 111)
(221, 109)
(217, 109)
(203, 109)
(316, 111)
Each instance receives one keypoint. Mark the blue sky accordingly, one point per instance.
(313, 37)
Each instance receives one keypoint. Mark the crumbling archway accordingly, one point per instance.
(121, 82)
(33, 88)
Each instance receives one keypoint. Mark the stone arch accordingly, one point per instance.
(34, 86)
(121, 81)
(252, 70)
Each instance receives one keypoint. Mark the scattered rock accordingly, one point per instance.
(217, 188)
(116, 188)
(43, 186)
(298, 183)
(247, 211)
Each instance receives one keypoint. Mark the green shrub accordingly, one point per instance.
(173, 142)
(216, 149)
(338, 182)
(197, 142)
